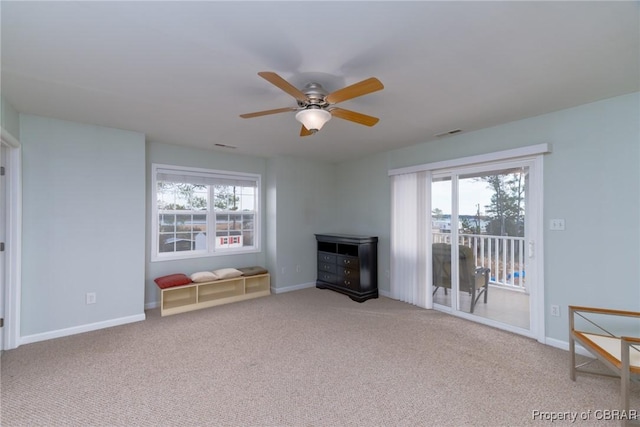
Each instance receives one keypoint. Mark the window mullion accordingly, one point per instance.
(211, 220)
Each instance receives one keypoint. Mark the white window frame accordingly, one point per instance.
(211, 250)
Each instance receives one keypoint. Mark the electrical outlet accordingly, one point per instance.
(91, 298)
(556, 224)
(555, 310)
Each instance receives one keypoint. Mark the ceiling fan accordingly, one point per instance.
(315, 105)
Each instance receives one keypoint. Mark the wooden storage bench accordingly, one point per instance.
(194, 296)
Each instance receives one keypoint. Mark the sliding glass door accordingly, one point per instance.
(482, 247)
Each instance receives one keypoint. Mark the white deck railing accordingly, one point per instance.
(504, 255)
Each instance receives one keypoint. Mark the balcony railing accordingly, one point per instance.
(504, 255)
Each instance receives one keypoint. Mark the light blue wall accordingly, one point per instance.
(9, 119)
(208, 159)
(591, 179)
(301, 203)
(83, 224)
(364, 199)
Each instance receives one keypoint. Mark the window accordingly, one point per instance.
(201, 212)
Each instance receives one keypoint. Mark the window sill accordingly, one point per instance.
(175, 257)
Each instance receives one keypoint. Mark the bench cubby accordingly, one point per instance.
(195, 296)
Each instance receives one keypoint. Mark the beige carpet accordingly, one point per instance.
(305, 358)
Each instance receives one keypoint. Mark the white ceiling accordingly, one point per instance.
(182, 72)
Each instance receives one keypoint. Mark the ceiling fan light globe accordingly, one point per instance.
(313, 118)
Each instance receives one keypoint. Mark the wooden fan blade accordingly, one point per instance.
(305, 132)
(358, 89)
(266, 112)
(278, 81)
(352, 116)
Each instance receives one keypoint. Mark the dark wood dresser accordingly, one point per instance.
(348, 264)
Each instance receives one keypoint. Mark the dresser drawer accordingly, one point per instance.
(327, 268)
(348, 261)
(327, 277)
(351, 283)
(326, 257)
(348, 273)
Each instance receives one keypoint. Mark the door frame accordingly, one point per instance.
(13, 241)
(535, 154)
(533, 237)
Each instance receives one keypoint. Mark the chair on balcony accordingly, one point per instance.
(473, 280)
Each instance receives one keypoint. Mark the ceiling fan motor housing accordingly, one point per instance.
(315, 96)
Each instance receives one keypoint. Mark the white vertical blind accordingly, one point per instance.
(410, 220)
(423, 229)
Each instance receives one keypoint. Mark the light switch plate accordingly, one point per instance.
(556, 224)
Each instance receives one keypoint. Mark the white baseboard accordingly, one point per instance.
(28, 339)
(384, 293)
(152, 305)
(564, 345)
(293, 288)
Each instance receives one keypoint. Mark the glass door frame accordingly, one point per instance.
(533, 240)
